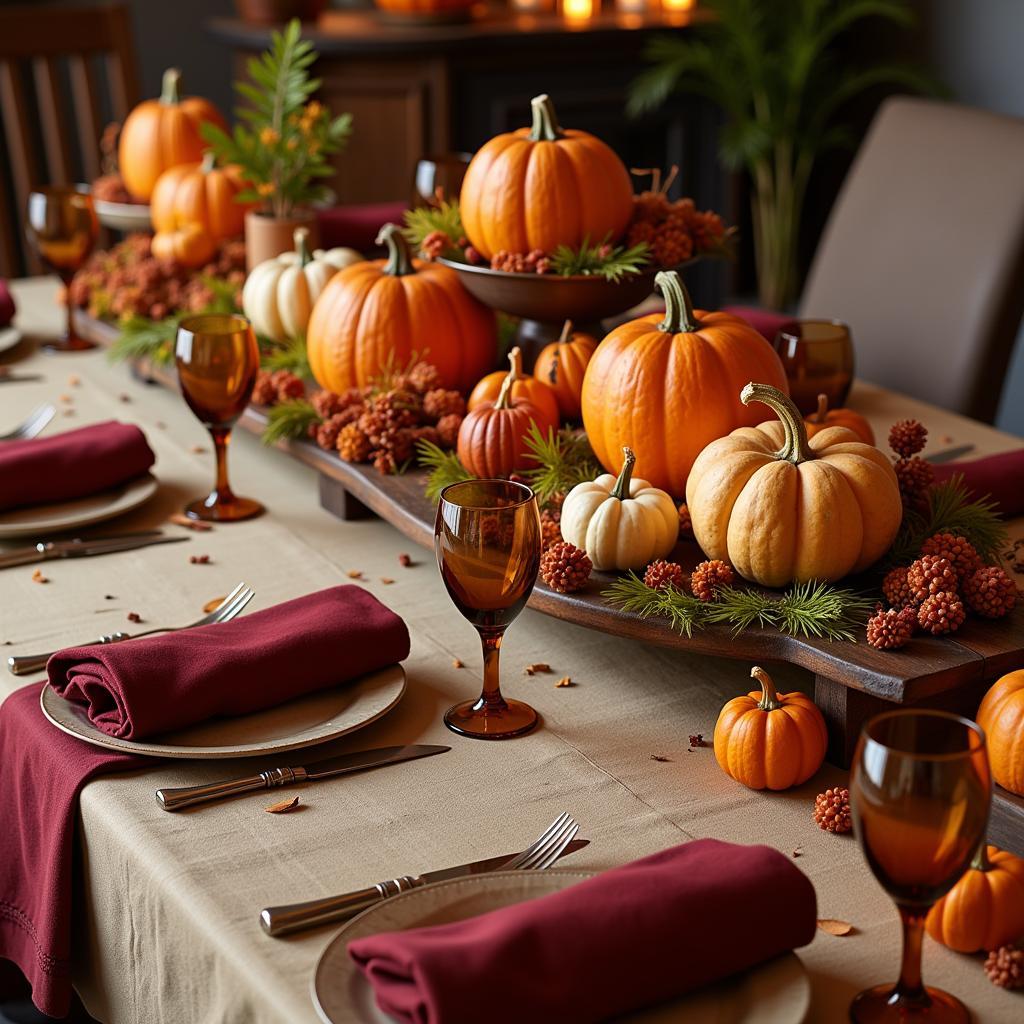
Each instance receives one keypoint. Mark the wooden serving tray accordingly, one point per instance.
(852, 681)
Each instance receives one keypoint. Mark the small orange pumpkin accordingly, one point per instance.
(492, 438)
(985, 909)
(188, 245)
(826, 417)
(768, 740)
(1001, 715)
(160, 134)
(199, 194)
(536, 392)
(563, 364)
(542, 187)
(668, 386)
(380, 313)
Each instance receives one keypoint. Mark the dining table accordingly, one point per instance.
(166, 910)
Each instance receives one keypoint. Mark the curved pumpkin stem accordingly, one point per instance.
(300, 238)
(515, 363)
(822, 411)
(209, 162)
(621, 488)
(399, 254)
(796, 448)
(504, 398)
(545, 126)
(769, 695)
(566, 332)
(679, 316)
(169, 88)
(981, 861)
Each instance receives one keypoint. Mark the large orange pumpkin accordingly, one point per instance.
(825, 417)
(541, 187)
(381, 313)
(536, 392)
(1001, 715)
(985, 909)
(199, 194)
(492, 438)
(160, 134)
(668, 386)
(768, 740)
(563, 364)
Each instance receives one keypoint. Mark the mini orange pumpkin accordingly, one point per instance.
(492, 437)
(668, 386)
(188, 245)
(563, 364)
(381, 312)
(542, 187)
(768, 740)
(160, 134)
(826, 417)
(985, 909)
(1001, 715)
(199, 194)
(536, 392)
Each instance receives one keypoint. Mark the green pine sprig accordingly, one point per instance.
(289, 421)
(291, 355)
(563, 460)
(811, 609)
(444, 468)
(142, 338)
(612, 262)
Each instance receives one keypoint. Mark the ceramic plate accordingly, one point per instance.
(9, 337)
(123, 216)
(39, 521)
(305, 722)
(778, 992)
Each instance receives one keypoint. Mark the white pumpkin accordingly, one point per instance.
(620, 522)
(279, 294)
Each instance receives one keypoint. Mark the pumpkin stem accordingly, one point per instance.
(545, 121)
(679, 316)
(505, 394)
(169, 95)
(822, 411)
(621, 488)
(209, 162)
(795, 449)
(300, 237)
(981, 861)
(566, 332)
(515, 362)
(399, 254)
(769, 695)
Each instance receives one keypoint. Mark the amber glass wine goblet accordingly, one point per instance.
(818, 359)
(62, 228)
(920, 789)
(218, 359)
(487, 539)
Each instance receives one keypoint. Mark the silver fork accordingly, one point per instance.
(28, 428)
(541, 854)
(231, 606)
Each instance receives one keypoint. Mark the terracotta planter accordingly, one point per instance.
(267, 237)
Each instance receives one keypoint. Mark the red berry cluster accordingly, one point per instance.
(536, 261)
(276, 386)
(674, 231)
(915, 476)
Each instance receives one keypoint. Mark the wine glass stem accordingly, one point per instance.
(491, 695)
(221, 439)
(909, 990)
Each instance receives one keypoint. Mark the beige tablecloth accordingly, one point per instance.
(166, 923)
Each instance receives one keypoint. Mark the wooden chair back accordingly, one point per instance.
(64, 72)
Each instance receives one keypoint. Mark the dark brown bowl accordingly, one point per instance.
(551, 299)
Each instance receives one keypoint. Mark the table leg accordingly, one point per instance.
(340, 503)
(845, 709)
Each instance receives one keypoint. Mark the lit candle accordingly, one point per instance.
(678, 5)
(528, 6)
(631, 6)
(577, 10)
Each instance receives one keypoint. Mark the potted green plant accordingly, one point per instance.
(774, 70)
(281, 142)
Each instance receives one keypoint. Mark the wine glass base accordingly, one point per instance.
(71, 343)
(475, 719)
(879, 1005)
(218, 510)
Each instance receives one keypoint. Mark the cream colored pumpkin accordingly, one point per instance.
(279, 294)
(621, 523)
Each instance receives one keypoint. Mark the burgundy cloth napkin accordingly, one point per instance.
(140, 688)
(632, 937)
(7, 307)
(44, 770)
(766, 322)
(71, 465)
(1000, 477)
(357, 225)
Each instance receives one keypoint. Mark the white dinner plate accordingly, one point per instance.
(9, 337)
(305, 722)
(123, 216)
(39, 521)
(777, 992)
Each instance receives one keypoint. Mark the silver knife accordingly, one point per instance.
(80, 547)
(294, 917)
(949, 454)
(187, 796)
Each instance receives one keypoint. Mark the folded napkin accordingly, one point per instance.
(71, 465)
(767, 322)
(43, 771)
(632, 937)
(143, 687)
(1000, 477)
(7, 307)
